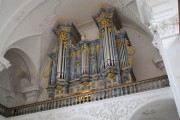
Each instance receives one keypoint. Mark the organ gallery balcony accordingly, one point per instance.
(87, 96)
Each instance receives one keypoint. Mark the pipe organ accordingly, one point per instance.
(78, 65)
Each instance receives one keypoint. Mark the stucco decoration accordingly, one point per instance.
(164, 29)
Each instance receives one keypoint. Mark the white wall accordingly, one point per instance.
(170, 48)
(2, 118)
(119, 108)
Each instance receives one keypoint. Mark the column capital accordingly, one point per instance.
(31, 93)
(4, 63)
(164, 29)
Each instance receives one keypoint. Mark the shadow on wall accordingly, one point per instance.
(164, 109)
(82, 117)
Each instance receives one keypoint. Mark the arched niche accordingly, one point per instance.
(18, 72)
(162, 109)
(29, 67)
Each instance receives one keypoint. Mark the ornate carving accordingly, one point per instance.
(165, 28)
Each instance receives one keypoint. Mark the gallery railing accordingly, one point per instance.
(96, 95)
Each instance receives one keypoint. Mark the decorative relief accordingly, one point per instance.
(165, 28)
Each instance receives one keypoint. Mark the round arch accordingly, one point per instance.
(156, 109)
(27, 60)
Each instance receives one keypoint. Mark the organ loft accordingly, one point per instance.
(78, 65)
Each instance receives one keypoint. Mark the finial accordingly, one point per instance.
(83, 36)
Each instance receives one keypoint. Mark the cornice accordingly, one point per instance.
(164, 29)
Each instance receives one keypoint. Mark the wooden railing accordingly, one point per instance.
(96, 95)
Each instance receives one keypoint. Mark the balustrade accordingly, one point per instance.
(126, 89)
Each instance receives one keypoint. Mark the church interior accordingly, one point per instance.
(89, 60)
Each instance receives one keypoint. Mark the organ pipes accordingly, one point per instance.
(61, 61)
(108, 47)
(80, 64)
(85, 59)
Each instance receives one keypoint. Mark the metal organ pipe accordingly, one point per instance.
(107, 48)
(87, 62)
(82, 61)
(63, 61)
(72, 67)
(110, 47)
(113, 54)
(104, 47)
(60, 60)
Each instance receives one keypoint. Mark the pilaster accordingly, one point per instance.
(162, 19)
(31, 93)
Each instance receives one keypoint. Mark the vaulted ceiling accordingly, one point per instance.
(25, 27)
(37, 17)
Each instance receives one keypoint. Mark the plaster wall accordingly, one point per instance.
(169, 49)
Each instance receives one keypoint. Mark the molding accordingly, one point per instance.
(124, 8)
(156, 11)
(4, 63)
